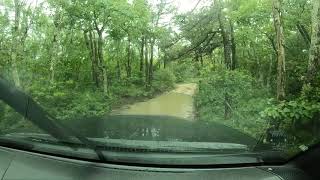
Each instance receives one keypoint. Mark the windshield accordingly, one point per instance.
(232, 79)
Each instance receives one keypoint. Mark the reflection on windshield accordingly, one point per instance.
(236, 72)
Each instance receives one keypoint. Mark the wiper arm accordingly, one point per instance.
(24, 105)
(88, 143)
(27, 107)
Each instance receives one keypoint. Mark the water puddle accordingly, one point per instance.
(177, 103)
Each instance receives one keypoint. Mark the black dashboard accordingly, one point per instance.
(17, 164)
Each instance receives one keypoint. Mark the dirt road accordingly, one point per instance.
(178, 103)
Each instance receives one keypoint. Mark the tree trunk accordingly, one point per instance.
(95, 59)
(225, 36)
(118, 62)
(304, 33)
(54, 50)
(53, 58)
(196, 57)
(142, 56)
(273, 44)
(151, 62)
(165, 61)
(102, 64)
(159, 62)
(146, 60)
(15, 44)
(314, 58)
(90, 44)
(281, 70)
(128, 64)
(227, 48)
(201, 59)
(233, 48)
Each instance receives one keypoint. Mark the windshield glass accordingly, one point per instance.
(238, 78)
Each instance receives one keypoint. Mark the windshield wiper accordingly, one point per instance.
(32, 111)
(39, 138)
(18, 144)
(170, 146)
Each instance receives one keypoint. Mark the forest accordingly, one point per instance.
(256, 62)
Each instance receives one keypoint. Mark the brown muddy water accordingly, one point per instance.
(176, 103)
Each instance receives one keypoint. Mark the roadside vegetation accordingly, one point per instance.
(265, 70)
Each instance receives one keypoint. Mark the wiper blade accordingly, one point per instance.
(42, 138)
(15, 144)
(27, 107)
(169, 146)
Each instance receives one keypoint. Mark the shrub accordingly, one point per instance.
(295, 117)
(245, 102)
(164, 79)
(86, 104)
(64, 101)
(184, 71)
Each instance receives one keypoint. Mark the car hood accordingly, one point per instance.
(158, 128)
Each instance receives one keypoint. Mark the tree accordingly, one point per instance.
(281, 68)
(142, 16)
(15, 42)
(226, 36)
(314, 58)
(161, 8)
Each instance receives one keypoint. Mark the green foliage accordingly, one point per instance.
(184, 71)
(86, 104)
(129, 91)
(67, 102)
(164, 79)
(292, 111)
(245, 100)
(295, 117)
(311, 93)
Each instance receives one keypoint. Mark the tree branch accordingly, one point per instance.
(188, 50)
(304, 33)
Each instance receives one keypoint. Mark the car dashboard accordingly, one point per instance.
(18, 164)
